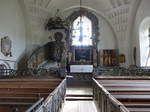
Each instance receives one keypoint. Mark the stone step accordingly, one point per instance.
(79, 95)
(80, 98)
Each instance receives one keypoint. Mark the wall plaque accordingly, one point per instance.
(6, 45)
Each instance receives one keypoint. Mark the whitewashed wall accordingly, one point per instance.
(39, 36)
(12, 25)
(24, 20)
(107, 39)
(115, 31)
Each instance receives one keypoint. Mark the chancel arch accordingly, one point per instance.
(103, 21)
(84, 27)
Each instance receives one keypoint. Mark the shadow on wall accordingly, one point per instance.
(21, 63)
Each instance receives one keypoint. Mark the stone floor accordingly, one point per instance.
(79, 90)
(79, 104)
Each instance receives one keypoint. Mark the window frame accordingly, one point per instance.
(95, 23)
(80, 35)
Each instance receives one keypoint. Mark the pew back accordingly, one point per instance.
(131, 92)
(30, 94)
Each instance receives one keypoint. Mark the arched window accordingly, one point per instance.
(145, 42)
(82, 31)
(148, 47)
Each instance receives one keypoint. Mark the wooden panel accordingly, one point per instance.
(108, 57)
(23, 93)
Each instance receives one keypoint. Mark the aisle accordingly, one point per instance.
(79, 106)
(79, 100)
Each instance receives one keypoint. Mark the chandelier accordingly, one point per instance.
(56, 22)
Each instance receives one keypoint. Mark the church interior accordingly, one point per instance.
(74, 56)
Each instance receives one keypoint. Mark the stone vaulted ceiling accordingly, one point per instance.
(119, 14)
(101, 5)
(39, 11)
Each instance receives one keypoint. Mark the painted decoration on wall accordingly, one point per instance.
(122, 58)
(83, 54)
(5, 67)
(108, 57)
(6, 45)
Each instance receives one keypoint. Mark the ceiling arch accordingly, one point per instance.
(100, 5)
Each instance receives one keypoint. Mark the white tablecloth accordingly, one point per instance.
(81, 68)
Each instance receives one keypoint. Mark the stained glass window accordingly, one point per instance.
(82, 32)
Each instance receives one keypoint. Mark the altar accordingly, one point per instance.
(81, 68)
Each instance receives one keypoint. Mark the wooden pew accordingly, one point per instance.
(20, 103)
(141, 99)
(25, 93)
(132, 92)
(121, 78)
(10, 108)
(21, 106)
(38, 95)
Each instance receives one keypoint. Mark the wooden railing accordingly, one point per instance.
(55, 99)
(31, 72)
(7, 72)
(121, 71)
(53, 102)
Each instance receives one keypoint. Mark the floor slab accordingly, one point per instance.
(79, 106)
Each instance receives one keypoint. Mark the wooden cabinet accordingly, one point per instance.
(108, 57)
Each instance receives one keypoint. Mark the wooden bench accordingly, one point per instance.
(23, 94)
(132, 92)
